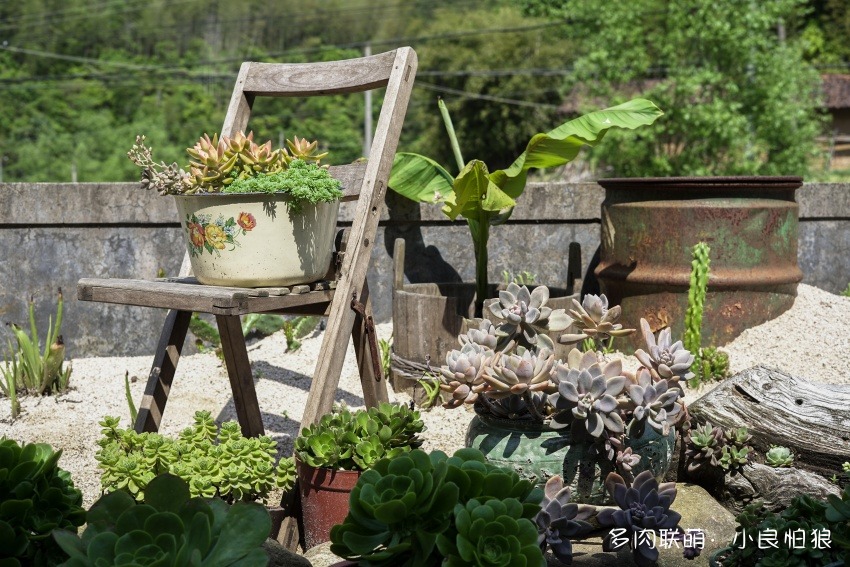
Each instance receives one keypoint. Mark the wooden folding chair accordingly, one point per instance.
(344, 299)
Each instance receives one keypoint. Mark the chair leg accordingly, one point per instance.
(239, 372)
(162, 371)
(374, 384)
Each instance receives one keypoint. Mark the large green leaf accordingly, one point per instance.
(420, 178)
(475, 192)
(561, 145)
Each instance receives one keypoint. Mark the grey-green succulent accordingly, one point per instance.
(652, 403)
(560, 521)
(485, 334)
(525, 318)
(665, 358)
(596, 320)
(523, 371)
(704, 447)
(463, 374)
(587, 398)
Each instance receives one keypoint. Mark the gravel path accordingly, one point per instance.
(818, 323)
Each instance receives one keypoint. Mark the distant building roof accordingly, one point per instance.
(836, 91)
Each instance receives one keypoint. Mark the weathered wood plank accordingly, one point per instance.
(361, 239)
(162, 371)
(350, 177)
(239, 372)
(311, 79)
(194, 297)
(813, 420)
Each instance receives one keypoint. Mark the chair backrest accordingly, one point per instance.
(367, 181)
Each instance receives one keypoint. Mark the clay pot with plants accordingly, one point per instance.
(238, 196)
(331, 454)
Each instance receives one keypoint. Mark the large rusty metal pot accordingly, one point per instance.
(650, 225)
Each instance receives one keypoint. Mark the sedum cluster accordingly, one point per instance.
(213, 461)
(506, 367)
(217, 162)
(711, 448)
(356, 440)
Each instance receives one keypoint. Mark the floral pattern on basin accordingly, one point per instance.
(204, 233)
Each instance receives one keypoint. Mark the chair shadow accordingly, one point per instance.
(284, 428)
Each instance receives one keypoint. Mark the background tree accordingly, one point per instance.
(738, 98)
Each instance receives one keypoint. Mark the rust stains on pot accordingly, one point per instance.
(650, 225)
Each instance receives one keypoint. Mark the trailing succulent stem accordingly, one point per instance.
(696, 297)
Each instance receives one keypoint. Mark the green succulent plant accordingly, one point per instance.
(696, 297)
(356, 440)
(704, 447)
(33, 367)
(213, 461)
(491, 533)
(401, 507)
(36, 497)
(712, 364)
(795, 530)
(778, 456)
(169, 529)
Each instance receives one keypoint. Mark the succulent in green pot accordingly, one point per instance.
(36, 497)
(169, 529)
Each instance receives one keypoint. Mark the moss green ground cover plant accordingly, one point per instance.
(169, 529)
(486, 198)
(36, 497)
(213, 461)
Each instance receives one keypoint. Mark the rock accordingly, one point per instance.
(321, 556)
(279, 556)
(775, 487)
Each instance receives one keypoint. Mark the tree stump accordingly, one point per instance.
(811, 419)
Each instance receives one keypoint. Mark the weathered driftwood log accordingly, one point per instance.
(811, 419)
(775, 488)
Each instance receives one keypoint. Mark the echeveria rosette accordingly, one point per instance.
(778, 457)
(588, 395)
(491, 532)
(523, 371)
(462, 375)
(560, 520)
(704, 447)
(666, 359)
(595, 320)
(653, 402)
(645, 505)
(525, 317)
(485, 334)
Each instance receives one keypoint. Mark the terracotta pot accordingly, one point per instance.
(324, 500)
(251, 240)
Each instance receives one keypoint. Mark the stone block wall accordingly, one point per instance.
(51, 235)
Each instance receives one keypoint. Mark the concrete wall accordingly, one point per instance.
(51, 235)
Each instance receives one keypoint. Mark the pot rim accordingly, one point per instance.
(706, 182)
(277, 195)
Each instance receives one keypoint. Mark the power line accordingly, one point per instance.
(490, 98)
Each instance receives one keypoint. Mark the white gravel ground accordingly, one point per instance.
(811, 340)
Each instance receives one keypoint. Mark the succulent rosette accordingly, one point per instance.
(560, 520)
(588, 394)
(524, 315)
(645, 505)
(461, 376)
(653, 402)
(663, 357)
(595, 320)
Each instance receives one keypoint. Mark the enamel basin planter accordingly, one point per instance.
(253, 240)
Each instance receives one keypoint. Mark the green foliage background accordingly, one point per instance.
(80, 78)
